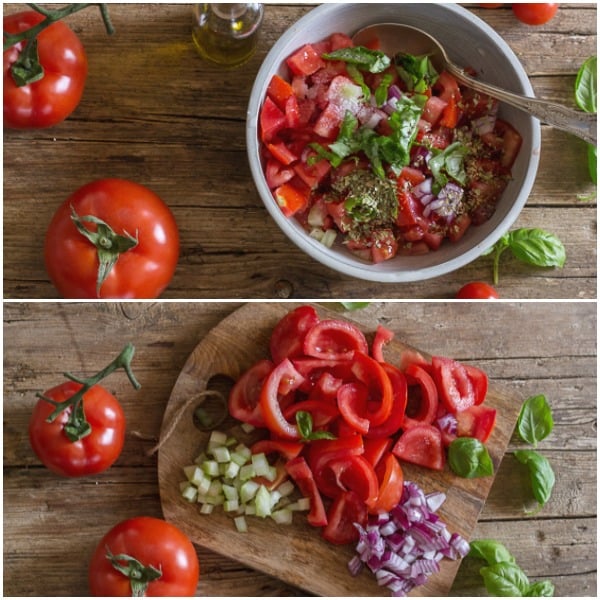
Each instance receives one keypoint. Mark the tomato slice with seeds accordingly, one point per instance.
(282, 380)
(244, 398)
(422, 403)
(399, 398)
(453, 381)
(334, 338)
(346, 510)
(352, 404)
(302, 475)
(372, 374)
(421, 445)
(287, 337)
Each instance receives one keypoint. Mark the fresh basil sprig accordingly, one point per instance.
(363, 58)
(535, 420)
(540, 472)
(502, 576)
(305, 427)
(534, 247)
(469, 458)
(586, 86)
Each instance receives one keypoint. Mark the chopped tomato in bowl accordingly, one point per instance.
(379, 167)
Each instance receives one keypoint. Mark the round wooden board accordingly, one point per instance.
(297, 554)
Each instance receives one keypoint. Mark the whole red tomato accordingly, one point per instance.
(534, 13)
(55, 96)
(91, 454)
(144, 556)
(131, 252)
(477, 290)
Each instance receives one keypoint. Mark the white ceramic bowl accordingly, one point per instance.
(469, 42)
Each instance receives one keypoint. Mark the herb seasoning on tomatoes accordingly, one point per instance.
(384, 151)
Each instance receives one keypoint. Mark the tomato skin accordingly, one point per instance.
(421, 445)
(287, 337)
(91, 454)
(346, 510)
(535, 13)
(477, 290)
(53, 98)
(127, 207)
(153, 542)
(244, 398)
(391, 483)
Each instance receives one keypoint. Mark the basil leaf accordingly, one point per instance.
(535, 420)
(366, 59)
(537, 247)
(505, 579)
(541, 474)
(491, 551)
(541, 588)
(381, 93)
(449, 163)
(305, 427)
(417, 72)
(586, 85)
(469, 458)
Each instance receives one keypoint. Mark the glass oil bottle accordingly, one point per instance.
(227, 34)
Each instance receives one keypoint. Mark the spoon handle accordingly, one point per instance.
(578, 123)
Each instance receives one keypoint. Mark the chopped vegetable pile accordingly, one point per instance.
(384, 152)
(339, 421)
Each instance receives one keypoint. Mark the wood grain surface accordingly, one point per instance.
(238, 342)
(155, 112)
(51, 525)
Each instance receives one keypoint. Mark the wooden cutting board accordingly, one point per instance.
(296, 553)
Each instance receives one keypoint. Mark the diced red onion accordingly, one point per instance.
(484, 124)
(403, 547)
(394, 92)
(423, 188)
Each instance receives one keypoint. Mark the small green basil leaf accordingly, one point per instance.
(469, 458)
(541, 473)
(505, 579)
(491, 551)
(535, 420)
(586, 85)
(541, 589)
(363, 58)
(305, 427)
(537, 247)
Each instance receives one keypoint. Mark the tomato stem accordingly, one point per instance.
(138, 574)
(27, 68)
(77, 426)
(109, 244)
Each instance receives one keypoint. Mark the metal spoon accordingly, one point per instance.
(394, 38)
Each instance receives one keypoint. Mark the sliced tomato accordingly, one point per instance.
(391, 483)
(511, 142)
(399, 393)
(305, 61)
(244, 398)
(325, 389)
(480, 383)
(291, 198)
(447, 87)
(422, 404)
(300, 472)
(433, 109)
(284, 448)
(346, 510)
(477, 422)
(276, 173)
(376, 449)
(384, 245)
(312, 370)
(353, 472)
(352, 404)
(280, 151)
(409, 356)
(322, 413)
(334, 338)
(281, 381)
(421, 445)
(279, 90)
(272, 120)
(451, 114)
(454, 384)
(459, 227)
(383, 336)
(312, 175)
(381, 395)
(287, 337)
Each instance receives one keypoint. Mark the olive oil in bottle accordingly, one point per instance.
(226, 34)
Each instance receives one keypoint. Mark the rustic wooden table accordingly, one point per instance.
(155, 112)
(52, 525)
